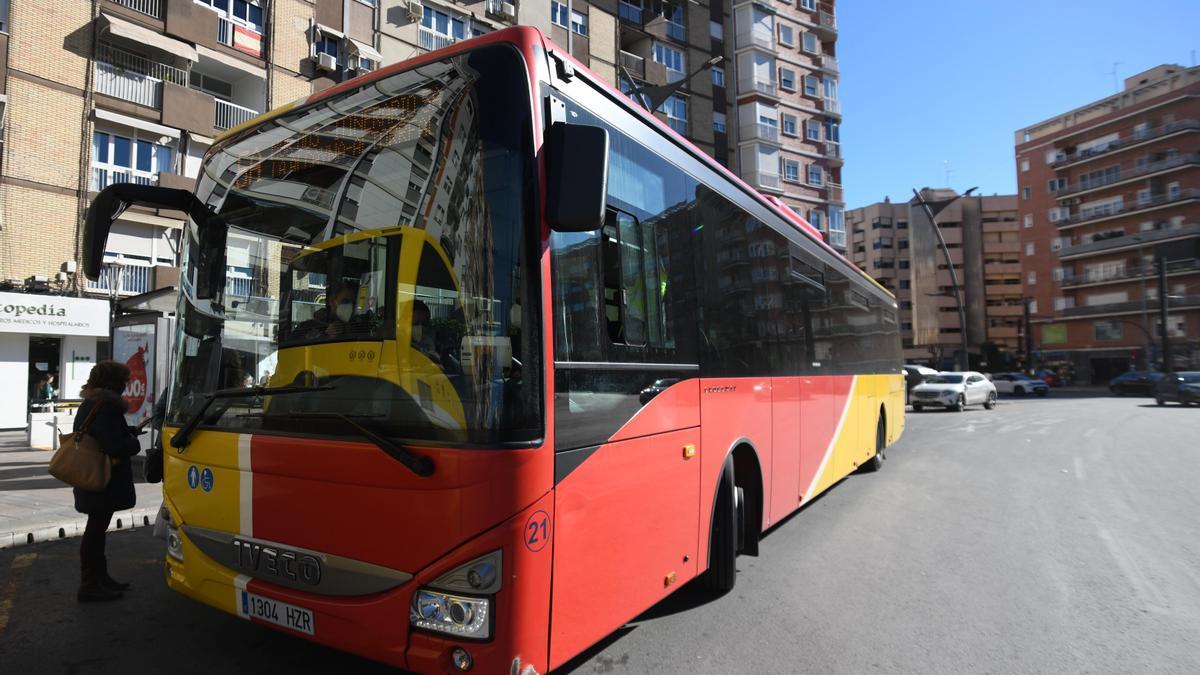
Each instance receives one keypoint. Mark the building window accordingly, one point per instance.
(832, 132)
(718, 76)
(787, 124)
(1025, 193)
(811, 86)
(716, 30)
(815, 175)
(719, 122)
(1024, 164)
(1143, 197)
(558, 14)
(1059, 213)
(905, 284)
(1028, 220)
(245, 12)
(1056, 185)
(326, 44)
(1108, 330)
(1029, 248)
(815, 218)
(674, 17)
(809, 42)
(126, 158)
(810, 5)
(675, 108)
(831, 89)
(791, 170)
(903, 264)
(671, 58)
(630, 10)
(787, 35)
(1100, 177)
(812, 130)
(1173, 191)
(787, 79)
(1031, 278)
(445, 27)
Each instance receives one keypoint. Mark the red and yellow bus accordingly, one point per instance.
(476, 361)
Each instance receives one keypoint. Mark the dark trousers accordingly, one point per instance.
(91, 548)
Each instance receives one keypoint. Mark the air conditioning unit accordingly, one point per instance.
(326, 62)
(508, 10)
(415, 9)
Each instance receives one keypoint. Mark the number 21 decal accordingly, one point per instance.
(537, 531)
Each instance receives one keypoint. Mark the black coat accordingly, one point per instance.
(117, 440)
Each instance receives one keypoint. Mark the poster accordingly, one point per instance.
(134, 346)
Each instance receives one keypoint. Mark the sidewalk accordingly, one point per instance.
(34, 506)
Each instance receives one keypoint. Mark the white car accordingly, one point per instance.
(1019, 384)
(954, 391)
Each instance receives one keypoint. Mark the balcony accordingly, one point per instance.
(835, 192)
(636, 65)
(759, 132)
(148, 7)
(505, 11)
(832, 151)
(630, 13)
(122, 279)
(228, 115)
(239, 37)
(430, 40)
(1135, 272)
(756, 38)
(832, 106)
(1131, 307)
(130, 77)
(829, 63)
(1132, 241)
(1129, 176)
(1154, 202)
(1002, 268)
(755, 85)
(826, 22)
(103, 176)
(1133, 140)
(765, 180)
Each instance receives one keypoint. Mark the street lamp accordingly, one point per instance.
(653, 96)
(963, 362)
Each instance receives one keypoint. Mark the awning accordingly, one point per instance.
(232, 62)
(366, 51)
(331, 32)
(200, 138)
(135, 33)
(135, 122)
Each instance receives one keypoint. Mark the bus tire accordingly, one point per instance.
(876, 462)
(722, 550)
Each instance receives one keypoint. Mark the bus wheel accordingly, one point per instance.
(722, 550)
(876, 461)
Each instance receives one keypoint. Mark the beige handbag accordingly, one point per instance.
(79, 462)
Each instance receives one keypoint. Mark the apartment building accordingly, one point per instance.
(1107, 191)
(788, 113)
(981, 233)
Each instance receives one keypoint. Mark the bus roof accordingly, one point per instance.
(525, 36)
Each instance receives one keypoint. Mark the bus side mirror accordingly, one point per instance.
(112, 202)
(576, 176)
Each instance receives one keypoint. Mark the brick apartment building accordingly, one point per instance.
(982, 236)
(1107, 191)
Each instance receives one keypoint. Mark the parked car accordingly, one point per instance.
(1049, 377)
(1134, 382)
(1019, 384)
(1182, 388)
(914, 375)
(954, 391)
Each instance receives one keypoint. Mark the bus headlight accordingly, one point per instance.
(442, 607)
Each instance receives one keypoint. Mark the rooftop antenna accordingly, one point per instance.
(948, 170)
(1116, 85)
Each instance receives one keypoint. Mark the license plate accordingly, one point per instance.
(278, 613)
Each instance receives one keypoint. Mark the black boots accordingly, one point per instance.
(93, 588)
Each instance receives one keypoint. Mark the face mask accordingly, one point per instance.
(344, 311)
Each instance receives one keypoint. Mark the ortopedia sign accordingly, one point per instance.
(53, 315)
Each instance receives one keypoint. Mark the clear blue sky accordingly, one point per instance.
(992, 68)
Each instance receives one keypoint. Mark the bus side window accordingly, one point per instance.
(635, 282)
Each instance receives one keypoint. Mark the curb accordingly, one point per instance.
(129, 519)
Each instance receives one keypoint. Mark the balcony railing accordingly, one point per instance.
(832, 106)
(835, 191)
(636, 65)
(430, 40)
(752, 85)
(833, 150)
(760, 132)
(124, 279)
(754, 38)
(1133, 272)
(764, 179)
(1149, 305)
(827, 20)
(148, 7)
(102, 177)
(1136, 240)
(227, 35)
(133, 78)
(829, 63)
(1133, 207)
(1152, 167)
(1132, 139)
(228, 115)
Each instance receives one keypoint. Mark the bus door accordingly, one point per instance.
(627, 435)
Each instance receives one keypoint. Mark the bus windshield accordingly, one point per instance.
(375, 246)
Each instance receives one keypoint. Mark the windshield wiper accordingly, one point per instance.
(421, 465)
(180, 439)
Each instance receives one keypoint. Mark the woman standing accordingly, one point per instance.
(102, 393)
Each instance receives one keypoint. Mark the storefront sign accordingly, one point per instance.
(1054, 333)
(53, 315)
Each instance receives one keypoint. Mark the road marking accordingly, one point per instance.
(1079, 468)
(19, 565)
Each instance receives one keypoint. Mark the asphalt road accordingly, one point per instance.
(1048, 535)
